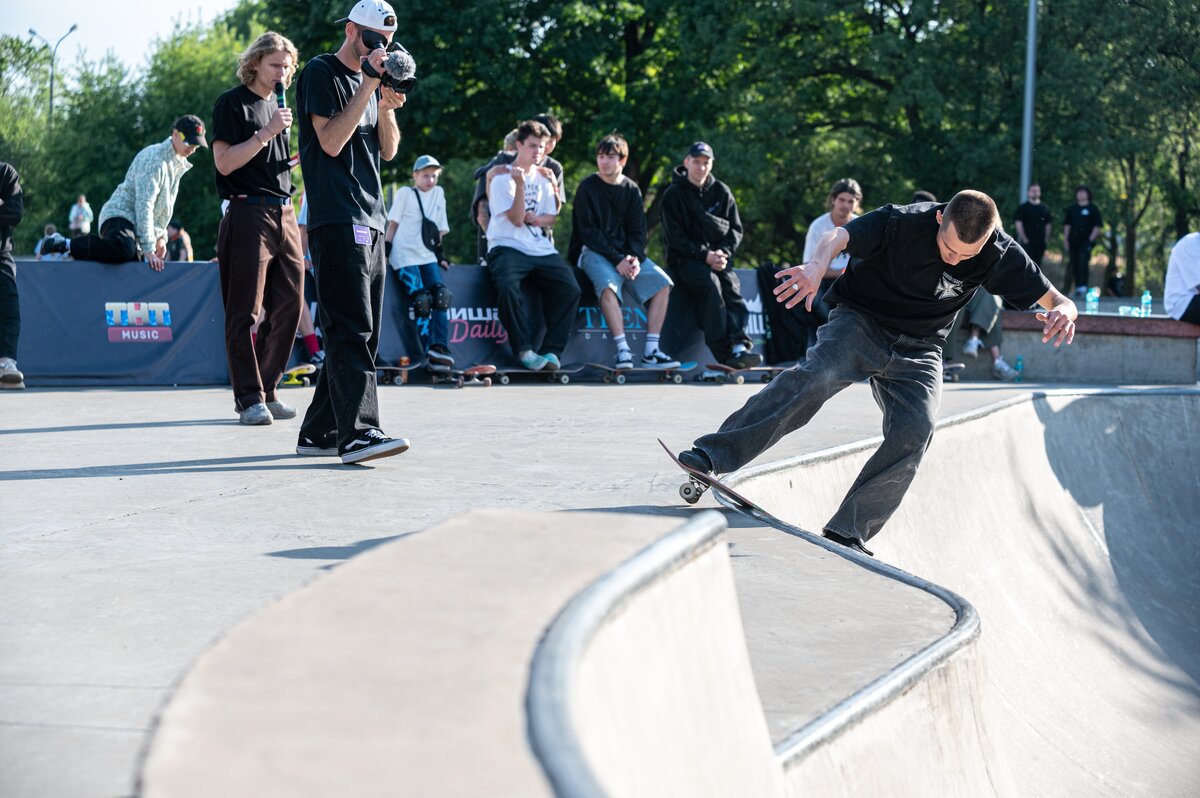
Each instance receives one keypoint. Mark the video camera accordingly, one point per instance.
(399, 68)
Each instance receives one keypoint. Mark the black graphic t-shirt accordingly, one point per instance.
(897, 276)
(344, 189)
(1082, 219)
(1034, 219)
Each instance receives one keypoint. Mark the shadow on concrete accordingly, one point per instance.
(735, 520)
(212, 465)
(336, 552)
(200, 422)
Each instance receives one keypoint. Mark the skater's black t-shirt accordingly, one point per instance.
(344, 189)
(237, 114)
(897, 276)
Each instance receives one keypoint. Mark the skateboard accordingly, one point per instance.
(719, 372)
(698, 482)
(951, 372)
(560, 375)
(473, 375)
(299, 376)
(614, 374)
(396, 375)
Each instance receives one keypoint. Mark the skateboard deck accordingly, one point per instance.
(614, 374)
(560, 375)
(298, 376)
(951, 372)
(698, 482)
(459, 378)
(719, 372)
(396, 375)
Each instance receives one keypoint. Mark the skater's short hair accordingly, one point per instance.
(613, 144)
(974, 215)
(529, 128)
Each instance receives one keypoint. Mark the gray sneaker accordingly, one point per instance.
(281, 411)
(10, 376)
(255, 415)
(1002, 371)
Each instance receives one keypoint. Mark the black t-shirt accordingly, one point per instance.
(236, 115)
(897, 276)
(608, 219)
(1083, 219)
(1034, 219)
(344, 189)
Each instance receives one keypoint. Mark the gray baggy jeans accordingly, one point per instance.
(906, 378)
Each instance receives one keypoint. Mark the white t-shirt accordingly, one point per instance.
(1183, 275)
(820, 226)
(539, 200)
(407, 247)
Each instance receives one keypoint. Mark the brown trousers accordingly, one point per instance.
(262, 274)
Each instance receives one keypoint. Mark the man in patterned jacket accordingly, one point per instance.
(133, 223)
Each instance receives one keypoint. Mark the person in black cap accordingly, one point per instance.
(701, 232)
(133, 223)
(258, 244)
(347, 123)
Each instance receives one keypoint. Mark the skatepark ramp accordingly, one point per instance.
(1069, 521)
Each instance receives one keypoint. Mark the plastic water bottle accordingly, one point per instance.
(1020, 367)
(1147, 301)
(1093, 301)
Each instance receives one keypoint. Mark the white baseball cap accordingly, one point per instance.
(374, 14)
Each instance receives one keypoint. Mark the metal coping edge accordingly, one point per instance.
(551, 729)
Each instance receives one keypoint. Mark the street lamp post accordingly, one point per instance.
(53, 56)
(1030, 77)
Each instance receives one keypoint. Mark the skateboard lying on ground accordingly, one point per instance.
(473, 375)
(951, 372)
(719, 372)
(396, 375)
(561, 375)
(617, 375)
(299, 376)
(698, 482)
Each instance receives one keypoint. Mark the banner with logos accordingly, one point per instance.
(86, 323)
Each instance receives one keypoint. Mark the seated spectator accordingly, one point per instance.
(523, 204)
(179, 243)
(980, 320)
(418, 261)
(701, 232)
(1181, 292)
(49, 232)
(79, 218)
(844, 198)
(479, 206)
(608, 242)
(133, 223)
(307, 331)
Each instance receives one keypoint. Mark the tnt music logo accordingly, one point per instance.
(138, 322)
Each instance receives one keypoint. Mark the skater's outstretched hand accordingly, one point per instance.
(798, 284)
(1059, 317)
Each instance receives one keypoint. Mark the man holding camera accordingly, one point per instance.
(347, 123)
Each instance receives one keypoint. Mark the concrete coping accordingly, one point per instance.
(552, 730)
(1109, 324)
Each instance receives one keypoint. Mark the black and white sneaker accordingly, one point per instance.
(318, 447)
(439, 358)
(624, 359)
(744, 360)
(659, 359)
(371, 445)
(853, 544)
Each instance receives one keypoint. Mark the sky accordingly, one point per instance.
(127, 27)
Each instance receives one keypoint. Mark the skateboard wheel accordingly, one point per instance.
(564, 379)
(620, 379)
(487, 382)
(504, 379)
(307, 382)
(677, 379)
(689, 493)
(459, 383)
(607, 378)
(739, 379)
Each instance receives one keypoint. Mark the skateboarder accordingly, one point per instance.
(914, 267)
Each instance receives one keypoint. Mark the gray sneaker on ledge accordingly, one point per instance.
(10, 376)
(255, 415)
(281, 411)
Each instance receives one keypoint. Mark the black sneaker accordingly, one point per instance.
(850, 543)
(317, 359)
(319, 447)
(439, 358)
(696, 459)
(56, 244)
(744, 360)
(371, 445)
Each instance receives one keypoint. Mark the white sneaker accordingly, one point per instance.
(10, 376)
(279, 410)
(972, 346)
(1002, 371)
(255, 415)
